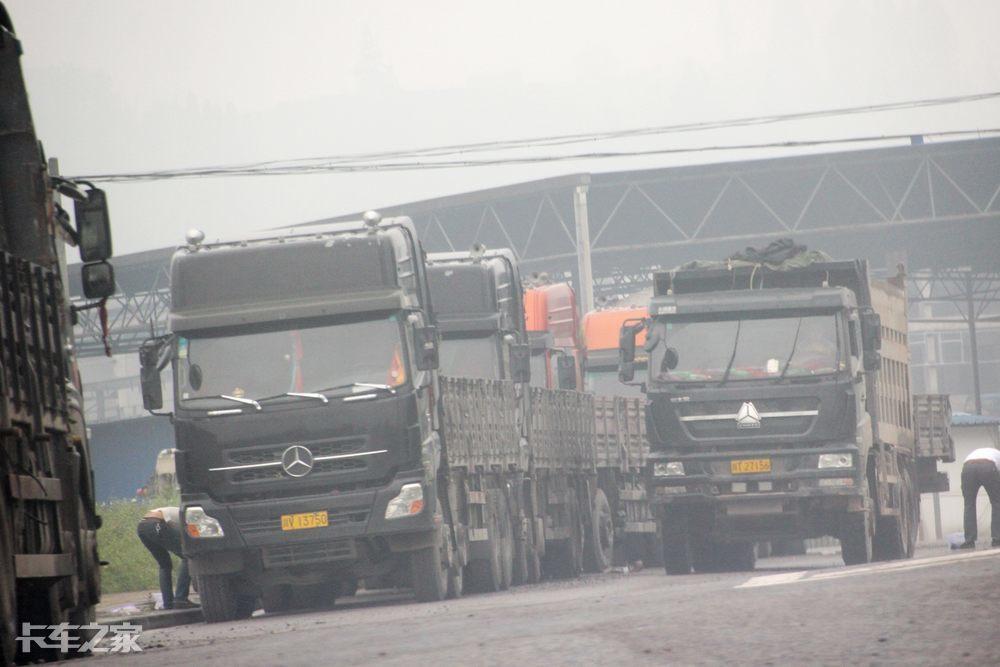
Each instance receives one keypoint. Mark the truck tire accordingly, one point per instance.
(456, 582)
(429, 572)
(221, 600)
(8, 586)
(741, 557)
(506, 542)
(856, 539)
(484, 575)
(913, 516)
(564, 559)
(276, 599)
(600, 545)
(676, 548)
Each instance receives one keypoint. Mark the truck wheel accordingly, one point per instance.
(856, 539)
(429, 571)
(8, 603)
(600, 544)
(220, 599)
(506, 542)
(741, 557)
(483, 575)
(676, 548)
(456, 582)
(276, 599)
(913, 507)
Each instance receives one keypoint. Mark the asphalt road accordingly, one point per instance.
(939, 608)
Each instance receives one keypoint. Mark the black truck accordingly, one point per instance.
(317, 443)
(49, 566)
(778, 407)
(305, 414)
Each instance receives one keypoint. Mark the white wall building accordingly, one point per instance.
(969, 432)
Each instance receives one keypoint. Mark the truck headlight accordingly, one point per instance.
(200, 524)
(845, 460)
(409, 502)
(668, 469)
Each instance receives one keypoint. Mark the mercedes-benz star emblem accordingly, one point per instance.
(748, 417)
(297, 461)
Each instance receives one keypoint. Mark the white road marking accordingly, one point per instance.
(893, 566)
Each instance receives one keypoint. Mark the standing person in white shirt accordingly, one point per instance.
(981, 469)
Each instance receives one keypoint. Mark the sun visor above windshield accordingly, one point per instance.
(752, 301)
(263, 276)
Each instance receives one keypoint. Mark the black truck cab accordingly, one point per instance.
(304, 382)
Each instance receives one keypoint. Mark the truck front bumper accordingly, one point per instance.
(253, 531)
(795, 499)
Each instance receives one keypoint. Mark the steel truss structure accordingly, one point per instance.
(974, 297)
(937, 204)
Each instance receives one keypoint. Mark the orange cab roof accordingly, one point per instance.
(601, 328)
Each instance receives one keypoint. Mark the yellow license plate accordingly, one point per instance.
(745, 466)
(304, 520)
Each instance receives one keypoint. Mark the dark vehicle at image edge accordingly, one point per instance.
(304, 375)
(778, 407)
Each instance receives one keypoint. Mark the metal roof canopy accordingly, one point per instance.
(936, 205)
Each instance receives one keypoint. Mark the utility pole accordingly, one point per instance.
(971, 318)
(585, 270)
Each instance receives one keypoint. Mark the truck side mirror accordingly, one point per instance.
(871, 330)
(149, 373)
(566, 366)
(520, 363)
(670, 360)
(425, 339)
(93, 226)
(873, 360)
(98, 280)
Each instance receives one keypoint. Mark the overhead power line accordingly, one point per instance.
(343, 166)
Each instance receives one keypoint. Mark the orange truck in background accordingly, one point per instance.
(562, 358)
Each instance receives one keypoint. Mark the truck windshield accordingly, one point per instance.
(313, 359)
(470, 357)
(605, 382)
(749, 348)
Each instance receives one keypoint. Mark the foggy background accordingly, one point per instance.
(118, 85)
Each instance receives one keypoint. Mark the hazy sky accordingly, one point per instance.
(126, 85)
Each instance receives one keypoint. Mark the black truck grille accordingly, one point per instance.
(305, 553)
(273, 453)
(271, 474)
(778, 417)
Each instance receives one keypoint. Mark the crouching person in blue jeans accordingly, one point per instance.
(160, 532)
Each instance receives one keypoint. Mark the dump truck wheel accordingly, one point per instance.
(483, 575)
(856, 539)
(600, 544)
(276, 599)
(676, 548)
(429, 571)
(220, 599)
(8, 606)
(913, 505)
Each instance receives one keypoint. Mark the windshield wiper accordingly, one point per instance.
(308, 394)
(237, 399)
(732, 358)
(349, 385)
(295, 394)
(795, 342)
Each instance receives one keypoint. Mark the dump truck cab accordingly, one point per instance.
(767, 413)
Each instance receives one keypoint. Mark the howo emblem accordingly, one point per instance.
(748, 417)
(297, 461)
